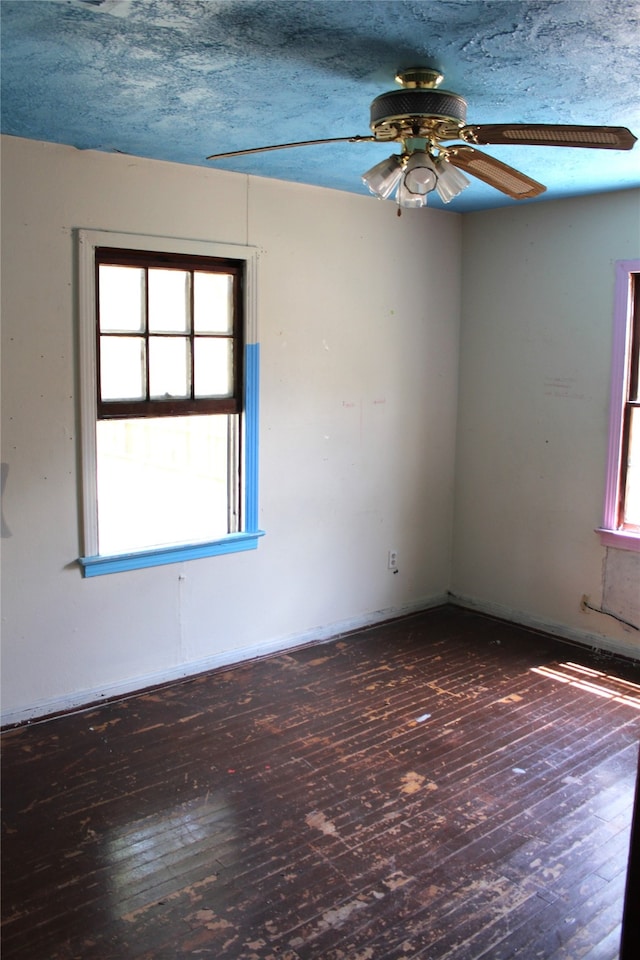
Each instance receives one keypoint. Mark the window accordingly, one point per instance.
(169, 391)
(621, 522)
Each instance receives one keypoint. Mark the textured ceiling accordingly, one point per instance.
(180, 79)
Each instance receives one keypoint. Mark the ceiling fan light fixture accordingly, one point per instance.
(423, 117)
(382, 179)
(451, 181)
(415, 176)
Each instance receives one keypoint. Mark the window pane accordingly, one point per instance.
(632, 493)
(212, 302)
(161, 481)
(169, 367)
(168, 301)
(213, 360)
(121, 299)
(122, 373)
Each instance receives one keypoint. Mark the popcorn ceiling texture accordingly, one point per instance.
(177, 80)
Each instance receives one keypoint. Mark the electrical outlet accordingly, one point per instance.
(392, 560)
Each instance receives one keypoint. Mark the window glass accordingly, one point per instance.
(169, 367)
(169, 301)
(121, 299)
(122, 368)
(213, 367)
(213, 302)
(161, 481)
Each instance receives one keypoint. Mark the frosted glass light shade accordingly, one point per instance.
(451, 181)
(420, 173)
(415, 177)
(407, 199)
(384, 176)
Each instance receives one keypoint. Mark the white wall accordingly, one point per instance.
(359, 321)
(533, 414)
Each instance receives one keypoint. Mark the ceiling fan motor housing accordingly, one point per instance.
(401, 107)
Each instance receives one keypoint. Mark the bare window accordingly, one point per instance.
(621, 520)
(629, 500)
(173, 431)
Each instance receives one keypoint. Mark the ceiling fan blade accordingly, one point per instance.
(551, 135)
(494, 172)
(285, 146)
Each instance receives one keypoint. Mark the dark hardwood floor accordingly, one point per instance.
(445, 785)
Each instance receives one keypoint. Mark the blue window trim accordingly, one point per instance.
(232, 543)
(251, 434)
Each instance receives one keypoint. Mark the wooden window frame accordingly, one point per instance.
(90, 561)
(614, 532)
(174, 407)
(631, 400)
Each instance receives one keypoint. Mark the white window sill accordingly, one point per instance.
(622, 539)
(233, 543)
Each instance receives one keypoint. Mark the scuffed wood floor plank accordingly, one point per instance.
(441, 786)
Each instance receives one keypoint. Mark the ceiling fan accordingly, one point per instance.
(424, 119)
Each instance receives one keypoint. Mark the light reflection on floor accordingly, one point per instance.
(594, 681)
(141, 856)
